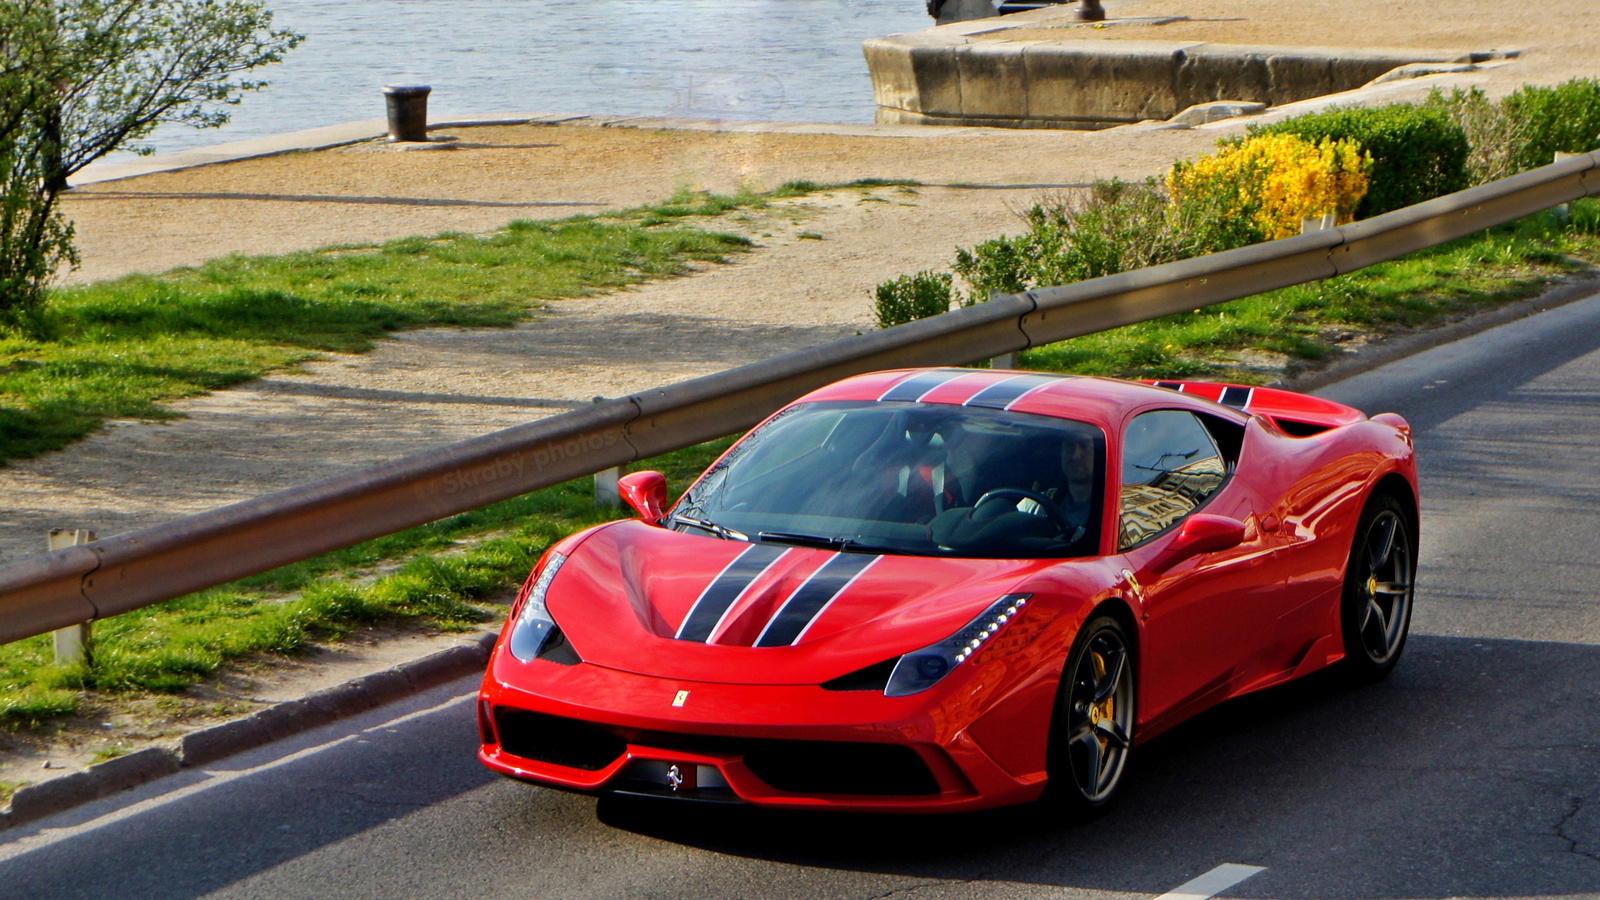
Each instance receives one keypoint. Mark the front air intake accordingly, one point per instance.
(558, 741)
(818, 767)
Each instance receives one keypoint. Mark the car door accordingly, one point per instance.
(1202, 613)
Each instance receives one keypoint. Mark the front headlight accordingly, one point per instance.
(918, 671)
(534, 625)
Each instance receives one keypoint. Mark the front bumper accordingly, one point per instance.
(598, 730)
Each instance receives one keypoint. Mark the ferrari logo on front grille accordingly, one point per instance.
(681, 699)
(674, 778)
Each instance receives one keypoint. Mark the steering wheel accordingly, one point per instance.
(1051, 511)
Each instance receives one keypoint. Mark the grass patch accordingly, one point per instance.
(30, 701)
(1306, 323)
(108, 753)
(446, 575)
(122, 348)
(801, 188)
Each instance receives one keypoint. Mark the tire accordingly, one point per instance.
(1091, 733)
(1379, 584)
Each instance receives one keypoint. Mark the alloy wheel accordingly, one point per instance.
(1387, 587)
(1101, 718)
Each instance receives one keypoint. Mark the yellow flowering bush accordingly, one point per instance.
(1250, 191)
(1275, 180)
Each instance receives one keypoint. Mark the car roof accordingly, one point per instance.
(1098, 401)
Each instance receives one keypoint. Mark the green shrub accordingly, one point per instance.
(1114, 226)
(1526, 129)
(1494, 138)
(1418, 153)
(912, 297)
(1564, 118)
(1004, 265)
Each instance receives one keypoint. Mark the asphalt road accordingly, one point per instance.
(1473, 772)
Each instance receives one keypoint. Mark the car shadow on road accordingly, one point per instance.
(1473, 772)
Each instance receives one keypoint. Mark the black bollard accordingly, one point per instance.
(408, 111)
(1091, 11)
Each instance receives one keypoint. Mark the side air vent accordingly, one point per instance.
(873, 678)
(558, 741)
(1301, 429)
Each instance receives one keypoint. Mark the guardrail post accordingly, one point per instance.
(1313, 224)
(1004, 360)
(606, 491)
(1563, 213)
(71, 642)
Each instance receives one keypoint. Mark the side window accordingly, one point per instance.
(1170, 465)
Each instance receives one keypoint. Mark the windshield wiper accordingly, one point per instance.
(849, 545)
(721, 531)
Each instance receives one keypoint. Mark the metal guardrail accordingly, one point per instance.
(128, 571)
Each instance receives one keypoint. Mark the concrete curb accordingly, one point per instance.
(274, 723)
(323, 138)
(344, 134)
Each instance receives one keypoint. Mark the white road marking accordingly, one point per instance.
(1212, 883)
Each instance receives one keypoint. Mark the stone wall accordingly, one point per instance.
(935, 77)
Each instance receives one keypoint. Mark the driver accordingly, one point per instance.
(1072, 489)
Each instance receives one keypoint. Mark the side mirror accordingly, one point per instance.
(1202, 533)
(646, 493)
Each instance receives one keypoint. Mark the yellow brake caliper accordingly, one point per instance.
(1101, 711)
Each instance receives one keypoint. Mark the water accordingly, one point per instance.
(794, 60)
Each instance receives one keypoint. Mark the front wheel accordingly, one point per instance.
(1092, 732)
(1378, 586)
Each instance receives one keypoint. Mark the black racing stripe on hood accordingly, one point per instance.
(725, 589)
(811, 598)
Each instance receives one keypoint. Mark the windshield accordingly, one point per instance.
(926, 479)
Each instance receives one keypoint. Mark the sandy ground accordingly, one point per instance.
(430, 387)
(372, 191)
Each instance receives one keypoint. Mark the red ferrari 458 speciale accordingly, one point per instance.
(950, 589)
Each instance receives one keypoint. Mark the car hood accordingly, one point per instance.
(656, 602)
